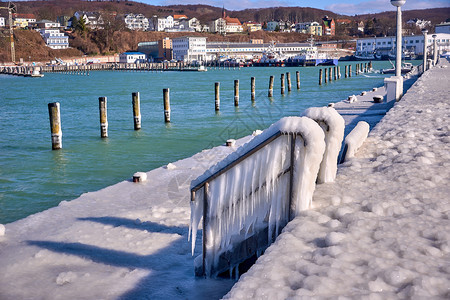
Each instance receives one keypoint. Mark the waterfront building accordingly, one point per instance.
(412, 44)
(132, 57)
(2, 22)
(251, 26)
(189, 48)
(313, 28)
(328, 26)
(157, 50)
(136, 22)
(54, 39)
(253, 50)
(443, 28)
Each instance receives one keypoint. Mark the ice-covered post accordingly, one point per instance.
(398, 38)
(297, 74)
(271, 86)
(335, 73)
(339, 72)
(320, 76)
(354, 140)
(236, 92)
(55, 125)
(357, 69)
(349, 70)
(333, 125)
(435, 50)
(330, 74)
(252, 87)
(217, 95)
(346, 71)
(282, 84)
(136, 110)
(288, 76)
(102, 105)
(166, 97)
(425, 49)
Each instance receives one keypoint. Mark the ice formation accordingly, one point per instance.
(333, 126)
(355, 139)
(255, 193)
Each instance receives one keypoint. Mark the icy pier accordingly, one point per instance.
(382, 229)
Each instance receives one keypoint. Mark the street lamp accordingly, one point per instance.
(434, 49)
(425, 50)
(398, 56)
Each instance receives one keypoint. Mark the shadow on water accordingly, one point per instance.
(171, 268)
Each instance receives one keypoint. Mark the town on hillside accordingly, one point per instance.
(188, 39)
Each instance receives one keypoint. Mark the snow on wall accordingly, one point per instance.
(355, 139)
(333, 125)
(255, 193)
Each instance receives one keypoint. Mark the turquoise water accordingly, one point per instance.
(34, 178)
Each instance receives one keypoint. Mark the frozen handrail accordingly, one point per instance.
(258, 188)
(333, 125)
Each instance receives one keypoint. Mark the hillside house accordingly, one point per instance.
(23, 20)
(54, 39)
(93, 20)
(136, 22)
(313, 28)
(251, 26)
(328, 26)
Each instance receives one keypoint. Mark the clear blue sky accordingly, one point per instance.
(347, 7)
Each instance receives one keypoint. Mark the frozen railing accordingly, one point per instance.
(246, 199)
(333, 125)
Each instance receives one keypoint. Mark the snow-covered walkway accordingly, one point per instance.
(382, 227)
(382, 230)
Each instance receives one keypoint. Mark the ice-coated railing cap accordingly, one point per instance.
(398, 3)
(424, 31)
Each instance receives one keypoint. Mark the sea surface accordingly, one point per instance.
(34, 178)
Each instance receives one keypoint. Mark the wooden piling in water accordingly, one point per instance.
(136, 110)
(349, 70)
(166, 98)
(288, 77)
(217, 96)
(271, 86)
(252, 88)
(330, 74)
(339, 72)
(297, 75)
(326, 75)
(236, 92)
(102, 106)
(282, 83)
(346, 71)
(55, 125)
(320, 76)
(335, 73)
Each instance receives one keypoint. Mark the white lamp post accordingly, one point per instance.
(425, 49)
(434, 50)
(398, 58)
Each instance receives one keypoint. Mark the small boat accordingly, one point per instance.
(406, 68)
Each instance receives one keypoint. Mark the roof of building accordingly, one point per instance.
(230, 20)
(25, 16)
(177, 17)
(133, 53)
